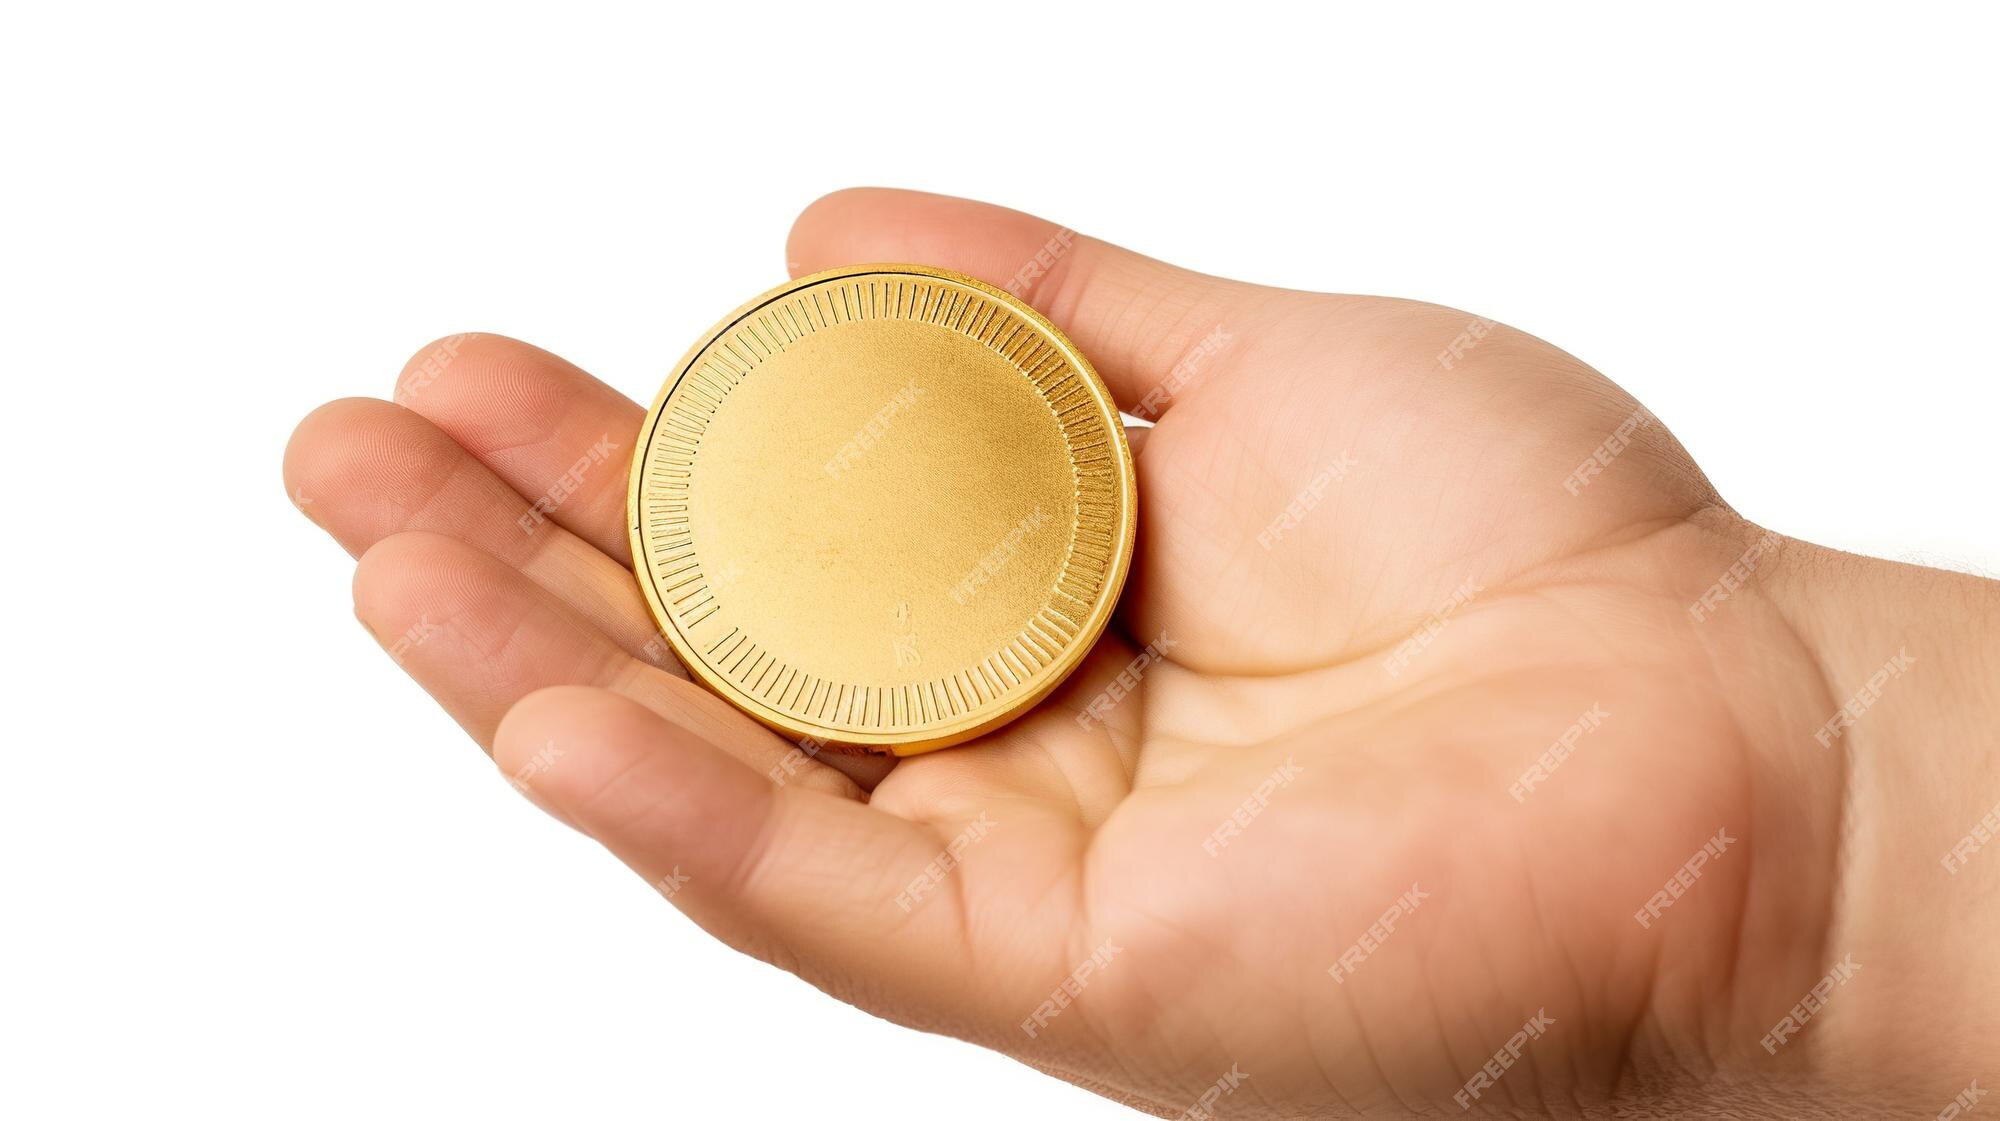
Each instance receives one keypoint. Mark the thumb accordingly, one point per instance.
(1150, 329)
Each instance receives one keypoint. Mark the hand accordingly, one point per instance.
(1457, 714)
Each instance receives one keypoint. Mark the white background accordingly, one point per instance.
(249, 869)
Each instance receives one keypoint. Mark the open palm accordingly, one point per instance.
(1413, 706)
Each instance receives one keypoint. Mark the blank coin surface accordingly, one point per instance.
(885, 507)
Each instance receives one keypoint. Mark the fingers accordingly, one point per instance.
(559, 437)
(1135, 437)
(1150, 329)
(793, 876)
(367, 469)
(479, 636)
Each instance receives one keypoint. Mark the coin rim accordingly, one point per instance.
(972, 725)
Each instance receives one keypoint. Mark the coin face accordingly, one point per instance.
(885, 507)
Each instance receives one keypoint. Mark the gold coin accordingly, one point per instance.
(885, 507)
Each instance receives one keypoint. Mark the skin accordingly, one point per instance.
(1357, 690)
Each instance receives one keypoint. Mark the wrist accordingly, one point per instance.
(1909, 661)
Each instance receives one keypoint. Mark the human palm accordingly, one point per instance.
(1372, 592)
